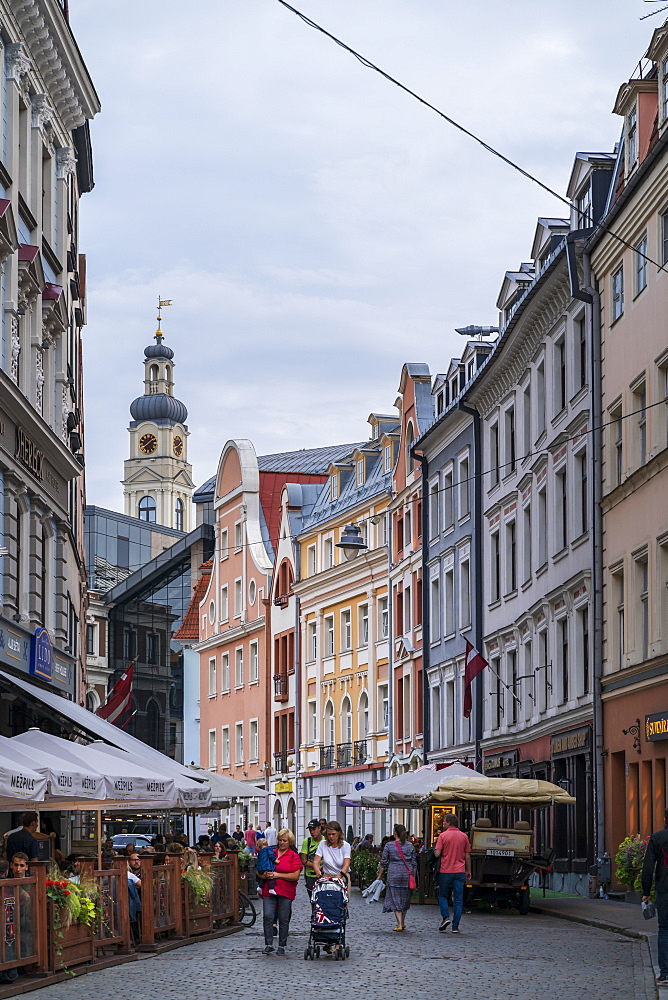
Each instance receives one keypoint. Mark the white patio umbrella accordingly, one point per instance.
(64, 778)
(192, 794)
(405, 791)
(224, 788)
(20, 785)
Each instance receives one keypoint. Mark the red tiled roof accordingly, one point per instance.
(189, 631)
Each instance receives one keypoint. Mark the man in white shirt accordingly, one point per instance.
(271, 835)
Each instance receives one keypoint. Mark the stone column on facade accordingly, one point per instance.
(12, 514)
(48, 537)
(34, 608)
(60, 594)
(372, 667)
(66, 164)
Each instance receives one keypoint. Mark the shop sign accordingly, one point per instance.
(566, 743)
(656, 726)
(501, 761)
(28, 453)
(41, 655)
(15, 647)
(283, 786)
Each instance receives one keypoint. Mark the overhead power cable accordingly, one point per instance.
(485, 145)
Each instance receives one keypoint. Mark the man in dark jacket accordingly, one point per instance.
(655, 865)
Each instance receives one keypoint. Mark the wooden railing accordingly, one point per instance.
(113, 923)
(23, 937)
(225, 891)
(161, 905)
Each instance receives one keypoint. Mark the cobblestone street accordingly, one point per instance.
(499, 955)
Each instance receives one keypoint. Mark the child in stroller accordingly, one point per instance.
(329, 913)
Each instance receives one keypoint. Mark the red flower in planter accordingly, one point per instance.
(66, 892)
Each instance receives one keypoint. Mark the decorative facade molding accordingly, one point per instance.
(42, 112)
(17, 61)
(16, 348)
(39, 381)
(66, 162)
(64, 412)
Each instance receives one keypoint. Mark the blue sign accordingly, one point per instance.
(359, 785)
(41, 655)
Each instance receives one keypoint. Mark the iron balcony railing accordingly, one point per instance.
(281, 687)
(343, 755)
(327, 757)
(360, 754)
(281, 762)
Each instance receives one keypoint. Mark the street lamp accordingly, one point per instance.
(352, 542)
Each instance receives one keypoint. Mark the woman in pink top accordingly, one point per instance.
(250, 836)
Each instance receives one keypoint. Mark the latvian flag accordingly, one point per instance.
(475, 663)
(118, 701)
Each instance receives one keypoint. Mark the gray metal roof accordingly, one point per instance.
(376, 483)
(307, 461)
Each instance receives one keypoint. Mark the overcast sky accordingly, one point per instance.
(316, 227)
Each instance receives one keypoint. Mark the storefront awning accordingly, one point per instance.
(405, 791)
(521, 792)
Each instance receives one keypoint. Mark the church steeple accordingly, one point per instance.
(158, 482)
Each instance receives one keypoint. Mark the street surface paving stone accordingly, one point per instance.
(499, 955)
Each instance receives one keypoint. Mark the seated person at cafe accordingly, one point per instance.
(18, 869)
(23, 840)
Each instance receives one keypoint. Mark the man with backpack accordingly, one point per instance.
(308, 852)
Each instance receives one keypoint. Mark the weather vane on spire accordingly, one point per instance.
(162, 303)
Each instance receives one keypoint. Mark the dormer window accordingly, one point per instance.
(664, 91)
(632, 138)
(359, 471)
(334, 486)
(453, 387)
(470, 369)
(439, 404)
(585, 219)
(387, 458)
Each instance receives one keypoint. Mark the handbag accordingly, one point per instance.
(412, 884)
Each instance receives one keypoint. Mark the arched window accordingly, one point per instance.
(147, 509)
(346, 721)
(329, 724)
(178, 514)
(363, 717)
(410, 434)
(153, 373)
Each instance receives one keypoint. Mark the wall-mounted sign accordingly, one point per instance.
(656, 726)
(501, 761)
(41, 655)
(283, 786)
(565, 743)
(28, 453)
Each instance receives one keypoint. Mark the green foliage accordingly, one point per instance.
(364, 867)
(199, 884)
(243, 857)
(628, 862)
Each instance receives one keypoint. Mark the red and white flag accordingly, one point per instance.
(119, 700)
(475, 663)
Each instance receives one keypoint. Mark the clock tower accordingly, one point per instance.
(158, 484)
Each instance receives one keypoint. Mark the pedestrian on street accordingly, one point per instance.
(270, 834)
(238, 834)
(399, 861)
(250, 836)
(308, 851)
(454, 850)
(655, 868)
(333, 854)
(277, 905)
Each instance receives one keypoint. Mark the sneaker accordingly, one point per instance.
(455, 930)
(280, 951)
(445, 922)
(268, 950)
(662, 979)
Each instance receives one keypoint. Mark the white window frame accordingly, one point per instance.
(311, 641)
(311, 560)
(383, 617)
(238, 535)
(238, 668)
(329, 643)
(253, 662)
(224, 544)
(383, 708)
(213, 750)
(213, 672)
(363, 625)
(253, 741)
(617, 293)
(238, 597)
(346, 630)
(225, 746)
(224, 604)
(224, 673)
(238, 743)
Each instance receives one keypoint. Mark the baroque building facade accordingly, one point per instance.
(47, 101)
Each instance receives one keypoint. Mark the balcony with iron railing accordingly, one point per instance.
(281, 687)
(343, 755)
(281, 761)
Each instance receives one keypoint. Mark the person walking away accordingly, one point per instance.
(250, 836)
(23, 839)
(399, 860)
(283, 880)
(655, 869)
(332, 856)
(454, 850)
(307, 853)
(270, 834)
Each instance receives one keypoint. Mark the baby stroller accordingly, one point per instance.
(329, 913)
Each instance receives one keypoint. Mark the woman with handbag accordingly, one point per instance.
(400, 861)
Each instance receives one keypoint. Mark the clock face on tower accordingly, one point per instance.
(178, 446)
(148, 443)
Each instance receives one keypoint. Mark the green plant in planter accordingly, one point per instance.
(244, 860)
(629, 861)
(199, 884)
(364, 867)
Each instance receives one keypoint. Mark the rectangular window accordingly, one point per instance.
(253, 661)
(237, 598)
(224, 604)
(494, 459)
(91, 640)
(312, 640)
(225, 672)
(584, 209)
(513, 685)
(560, 510)
(641, 265)
(387, 458)
(383, 618)
(581, 352)
(526, 543)
(583, 623)
(642, 586)
(328, 553)
(254, 743)
(238, 667)
(239, 743)
(510, 455)
(434, 504)
(408, 610)
(632, 138)
(313, 721)
(449, 601)
(383, 708)
(560, 386)
(620, 629)
(435, 609)
(511, 558)
(495, 566)
(664, 238)
(212, 749)
(448, 501)
(562, 629)
(495, 691)
(581, 464)
(238, 535)
(346, 631)
(664, 98)
(540, 398)
(544, 668)
(464, 488)
(213, 683)
(310, 561)
(617, 444)
(225, 748)
(224, 544)
(542, 527)
(328, 623)
(618, 293)
(408, 529)
(334, 487)
(363, 625)
(464, 593)
(360, 472)
(526, 417)
(640, 407)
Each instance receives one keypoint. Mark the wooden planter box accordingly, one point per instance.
(71, 946)
(197, 917)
